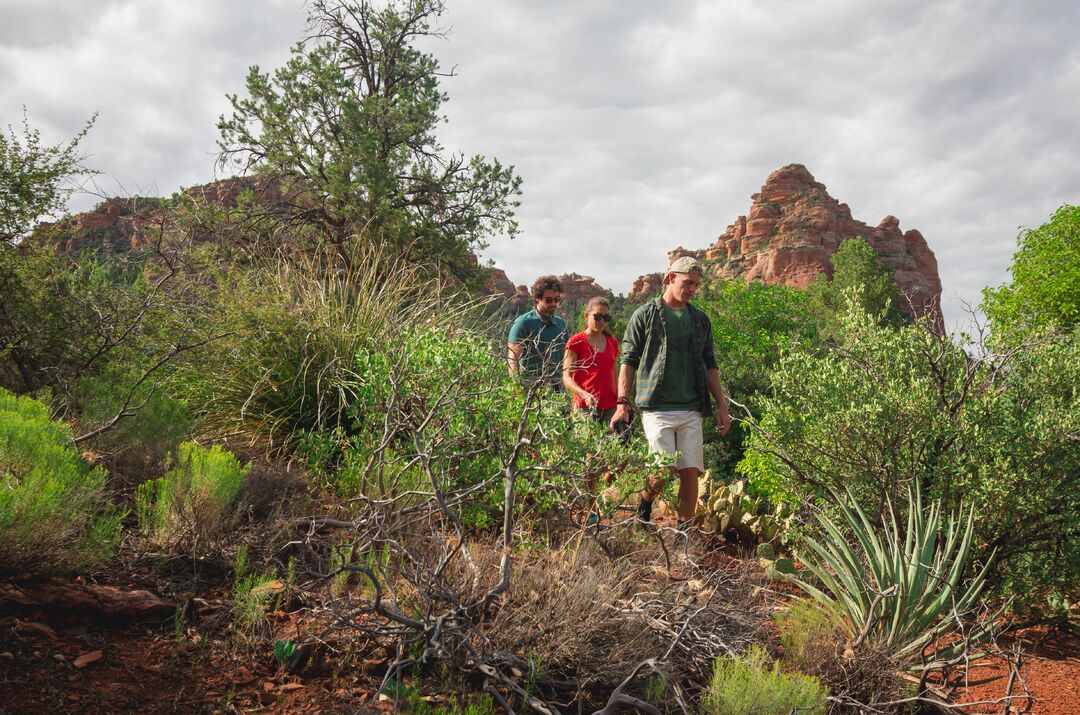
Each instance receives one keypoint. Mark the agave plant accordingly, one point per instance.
(903, 587)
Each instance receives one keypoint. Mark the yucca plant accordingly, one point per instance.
(902, 587)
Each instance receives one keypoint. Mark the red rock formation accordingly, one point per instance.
(648, 284)
(794, 227)
(118, 225)
(577, 291)
(513, 297)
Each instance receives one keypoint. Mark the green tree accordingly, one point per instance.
(347, 126)
(753, 325)
(855, 267)
(1045, 289)
(35, 178)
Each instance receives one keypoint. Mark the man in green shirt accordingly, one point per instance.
(537, 339)
(668, 364)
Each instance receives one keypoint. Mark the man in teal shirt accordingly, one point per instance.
(668, 361)
(537, 339)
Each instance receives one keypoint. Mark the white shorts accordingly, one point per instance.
(675, 432)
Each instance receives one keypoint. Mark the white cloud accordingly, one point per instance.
(637, 126)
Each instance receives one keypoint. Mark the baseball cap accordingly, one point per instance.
(685, 264)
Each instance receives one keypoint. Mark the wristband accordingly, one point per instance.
(625, 401)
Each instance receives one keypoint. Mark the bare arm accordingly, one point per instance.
(626, 389)
(723, 419)
(513, 356)
(569, 363)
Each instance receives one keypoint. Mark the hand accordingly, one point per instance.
(622, 414)
(723, 421)
(591, 400)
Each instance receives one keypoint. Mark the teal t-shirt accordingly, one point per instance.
(678, 390)
(544, 340)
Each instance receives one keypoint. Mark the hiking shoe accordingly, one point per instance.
(644, 511)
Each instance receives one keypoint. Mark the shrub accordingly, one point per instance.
(857, 271)
(753, 325)
(251, 594)
(287, 364)
(54, 515)
(192, 504)
(137, 448)
(807, 634)
(748, 685)
(890, 408)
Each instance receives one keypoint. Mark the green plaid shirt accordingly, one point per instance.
(644, 348)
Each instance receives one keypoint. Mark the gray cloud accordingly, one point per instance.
(637, 126)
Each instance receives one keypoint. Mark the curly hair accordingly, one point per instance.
(545, 283)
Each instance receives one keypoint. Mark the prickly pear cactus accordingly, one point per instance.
(729, 508)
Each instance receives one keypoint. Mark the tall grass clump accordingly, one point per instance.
(193, 502)
(749, 685)
(54, 515)
(293, 328)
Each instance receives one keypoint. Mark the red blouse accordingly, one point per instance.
(595, 371)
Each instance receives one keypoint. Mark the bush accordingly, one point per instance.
(54, 515)
(807, 634)
(753, 325)
(748, 685)
(251, 594)
(287, 362)
(191, 506)
(137, 448)
(890, 408)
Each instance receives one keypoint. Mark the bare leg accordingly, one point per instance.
(656, 486)
(688, 493)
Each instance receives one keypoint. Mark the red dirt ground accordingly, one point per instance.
(49, 664)
(1051, 669)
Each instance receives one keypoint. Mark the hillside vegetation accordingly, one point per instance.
(295, 422)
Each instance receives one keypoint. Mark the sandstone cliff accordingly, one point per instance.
(118, 225)
(793, 228)
(577, 291)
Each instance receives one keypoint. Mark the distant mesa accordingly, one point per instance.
(788, 238)
(791, 232)
(118, 225)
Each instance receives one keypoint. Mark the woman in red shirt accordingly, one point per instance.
(589, 364)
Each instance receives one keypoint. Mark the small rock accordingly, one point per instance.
(87, 658)
(60, 657)
(7, 656)
(30, 627)
(269, 588)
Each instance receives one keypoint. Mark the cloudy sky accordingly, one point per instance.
(636, 125)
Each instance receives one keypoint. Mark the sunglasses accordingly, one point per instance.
(601, 316)
(548, 299)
